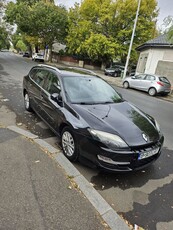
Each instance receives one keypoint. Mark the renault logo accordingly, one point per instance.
(145, 137)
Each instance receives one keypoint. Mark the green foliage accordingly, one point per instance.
(21, 45)
(99, 47)
(4, 41)
(42, 20)
(109, 24)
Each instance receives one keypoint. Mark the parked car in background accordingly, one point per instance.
(114, 71)
(26, 54)
(92, 120)
(38, 57)
(153, 84)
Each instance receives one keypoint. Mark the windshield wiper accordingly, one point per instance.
(107, 102)
(84, 103)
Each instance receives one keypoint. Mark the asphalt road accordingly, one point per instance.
(144, 197)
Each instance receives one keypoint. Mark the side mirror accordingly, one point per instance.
(57, 98)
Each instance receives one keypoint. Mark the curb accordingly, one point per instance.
(107, 213)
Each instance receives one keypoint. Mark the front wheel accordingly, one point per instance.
(69, 144)
(126, 85)
(152, 91)
(115, 75)
(27, 102)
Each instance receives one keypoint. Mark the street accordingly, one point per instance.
(144, 197)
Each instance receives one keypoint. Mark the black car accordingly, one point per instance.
(92, 120)
(26, 54)
(114, 71)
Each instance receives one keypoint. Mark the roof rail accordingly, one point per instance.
(83, 69)
(51, 67)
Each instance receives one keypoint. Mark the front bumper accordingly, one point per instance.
(122, 160)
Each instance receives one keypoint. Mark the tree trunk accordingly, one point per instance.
(36, 48)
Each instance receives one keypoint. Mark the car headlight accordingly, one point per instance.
(157, 126)
(111, 140)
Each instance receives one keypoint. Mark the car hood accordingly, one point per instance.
(122, 119)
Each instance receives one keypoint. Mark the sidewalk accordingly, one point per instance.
(40, 189)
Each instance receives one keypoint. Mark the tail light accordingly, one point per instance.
(160, 83)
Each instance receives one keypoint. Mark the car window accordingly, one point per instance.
(164, 79)
(150, 78)
(39, 76)
(33, 72)
(52, 84)
(140, 77)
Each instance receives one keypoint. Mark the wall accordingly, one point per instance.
(149, 59)
(165, 68)
(70, 61)
(153, 56)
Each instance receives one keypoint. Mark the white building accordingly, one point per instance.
(156, 57)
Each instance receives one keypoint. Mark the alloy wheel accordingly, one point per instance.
(27, 102)
(152, 91)
(126, 85)
(68, 144)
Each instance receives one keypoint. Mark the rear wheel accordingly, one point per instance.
(27, 102)
(69, 144)
(152, 91)
(126, 85)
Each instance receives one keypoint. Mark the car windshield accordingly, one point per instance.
(89, 90)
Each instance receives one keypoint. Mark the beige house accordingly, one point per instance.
(156, 57)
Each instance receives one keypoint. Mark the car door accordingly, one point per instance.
(137, 81)
(51, 110)
(148, 82)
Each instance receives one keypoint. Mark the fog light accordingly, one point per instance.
(110, 161)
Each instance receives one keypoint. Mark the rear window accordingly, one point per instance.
(164, 79)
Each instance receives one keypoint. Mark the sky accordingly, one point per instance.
(165, 6)
(166, 9)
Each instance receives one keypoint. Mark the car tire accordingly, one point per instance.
(27, 102)
(126, 85)
(152, 91)
(115, 75)
(69, 144)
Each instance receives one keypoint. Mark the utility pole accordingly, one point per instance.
(132, 37)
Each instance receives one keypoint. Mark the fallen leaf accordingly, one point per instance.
(37, 161)
(19, 124)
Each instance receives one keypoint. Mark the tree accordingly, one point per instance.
(168, 23)
(4, 30)
(21, 45)
(99, 48)
(4, 41)
(42, 20)
(113, 20)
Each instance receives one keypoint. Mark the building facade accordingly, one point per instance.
(156, 57)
